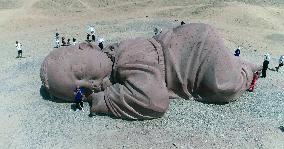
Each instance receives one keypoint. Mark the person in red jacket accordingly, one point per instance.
(253, 82)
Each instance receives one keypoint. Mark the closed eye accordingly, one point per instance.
(79, 71)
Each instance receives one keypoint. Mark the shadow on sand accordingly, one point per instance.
(272, 69)
(281, 128)
(46, 96)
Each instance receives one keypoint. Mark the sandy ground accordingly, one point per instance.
(27, 120)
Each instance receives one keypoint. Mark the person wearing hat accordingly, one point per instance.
(101, 45)
(265, 65)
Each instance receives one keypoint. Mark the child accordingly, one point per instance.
(79, 96)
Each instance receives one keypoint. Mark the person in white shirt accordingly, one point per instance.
(265, 64)
(281, 61)
(74, 41)
(19, 48)
(101, 45)
(91, 32)
(57, 41)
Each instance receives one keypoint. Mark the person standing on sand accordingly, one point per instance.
(101, 45)
(57, 42)
(281, 61)
(19, 48)
(63, 41)
(74, 41)
(91, 33)
(79, 96)
(265, 65)
(253, 83)
(68, 42)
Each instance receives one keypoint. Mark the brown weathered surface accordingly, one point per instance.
(189, 60)
(198, 64)
(67, 67)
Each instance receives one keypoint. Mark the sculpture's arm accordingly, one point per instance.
(142, 94)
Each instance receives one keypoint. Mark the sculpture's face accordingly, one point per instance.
(66, 68)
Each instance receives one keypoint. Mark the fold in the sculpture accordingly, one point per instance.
(190, 60)
(198, 64)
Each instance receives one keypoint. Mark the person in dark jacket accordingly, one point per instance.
(265, 65)
(238, 51)
(79, 94)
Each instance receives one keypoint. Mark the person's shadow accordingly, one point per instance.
(281, 128)
(21, 57)
(272, 69)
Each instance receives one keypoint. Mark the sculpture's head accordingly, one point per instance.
(66, 68)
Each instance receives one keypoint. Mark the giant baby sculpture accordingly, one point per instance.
(131, 79)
